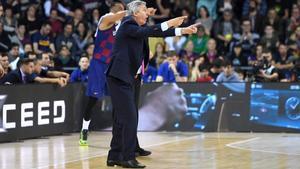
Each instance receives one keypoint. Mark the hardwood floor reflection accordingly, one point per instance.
(170, 150)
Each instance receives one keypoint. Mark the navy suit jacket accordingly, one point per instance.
(131, 48)
(15, 77)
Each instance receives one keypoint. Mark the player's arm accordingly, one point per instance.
(110, 19)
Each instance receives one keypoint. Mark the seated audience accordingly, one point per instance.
(228, 74)
(174, 70)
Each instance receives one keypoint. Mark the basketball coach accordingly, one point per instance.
(130, 55)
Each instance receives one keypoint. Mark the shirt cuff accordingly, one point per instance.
(164, 26)
(178, 31)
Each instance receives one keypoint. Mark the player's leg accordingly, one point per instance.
(86, 120)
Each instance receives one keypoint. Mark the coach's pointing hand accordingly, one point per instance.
(189, 30)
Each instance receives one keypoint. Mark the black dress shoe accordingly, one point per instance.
(142, 152)
(132, 164)
(112, 163)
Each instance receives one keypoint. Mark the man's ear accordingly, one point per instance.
(135, 14)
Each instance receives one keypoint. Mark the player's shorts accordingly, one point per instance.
(97, 86)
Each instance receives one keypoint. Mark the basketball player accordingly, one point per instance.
(104, 41)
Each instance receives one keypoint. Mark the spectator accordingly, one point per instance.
(199, 41)
(212, 53)
(294, 20)
(204, 74)
(21, 75)
(224, 29)
(9, 20)
(32, 21)
(163, 10)
(216, 69)
(22, 36)
(78, 17)
(56, 23)
(5, 43)
(241, 74)
(81, 73)
(46, 64)
(255, 18)
(261, 7)
(174, 70)
(223, 5)
(90, 50)
(19, 37)
(82, 37)
(270, 40)
(284, 64)
(28, 48)
(94, 19)
(188, 54)
(190, 18)
(282, 6)
(273, 19)
(247, 39)
(205, 19)
(228, 74)
(294, 39)
(66, 39)
(54, 4)
(236, 57)
(19, 7)
(13, 56)
(4, 63)
(42, 42)
(195, 70)
(267, 72)
(211, 5)
(159, 55)
(32, 55)
(40, 75)
(252, 60)
(175, 43)
(64, 59)
(46, 61)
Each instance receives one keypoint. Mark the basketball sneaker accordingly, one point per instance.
(83, 138)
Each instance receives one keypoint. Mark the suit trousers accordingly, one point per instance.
(137, 87)
(125, 120)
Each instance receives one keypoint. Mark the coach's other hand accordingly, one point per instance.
(151, 11)
(176, 21)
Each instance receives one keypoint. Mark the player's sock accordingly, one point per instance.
(85, 124)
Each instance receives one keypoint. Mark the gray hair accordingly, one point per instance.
(133, 6)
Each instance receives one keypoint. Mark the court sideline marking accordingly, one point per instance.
(237, 145)
(105, 154)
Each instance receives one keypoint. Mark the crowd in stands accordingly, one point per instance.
(51, 41)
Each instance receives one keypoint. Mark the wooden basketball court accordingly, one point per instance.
(170, 150)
